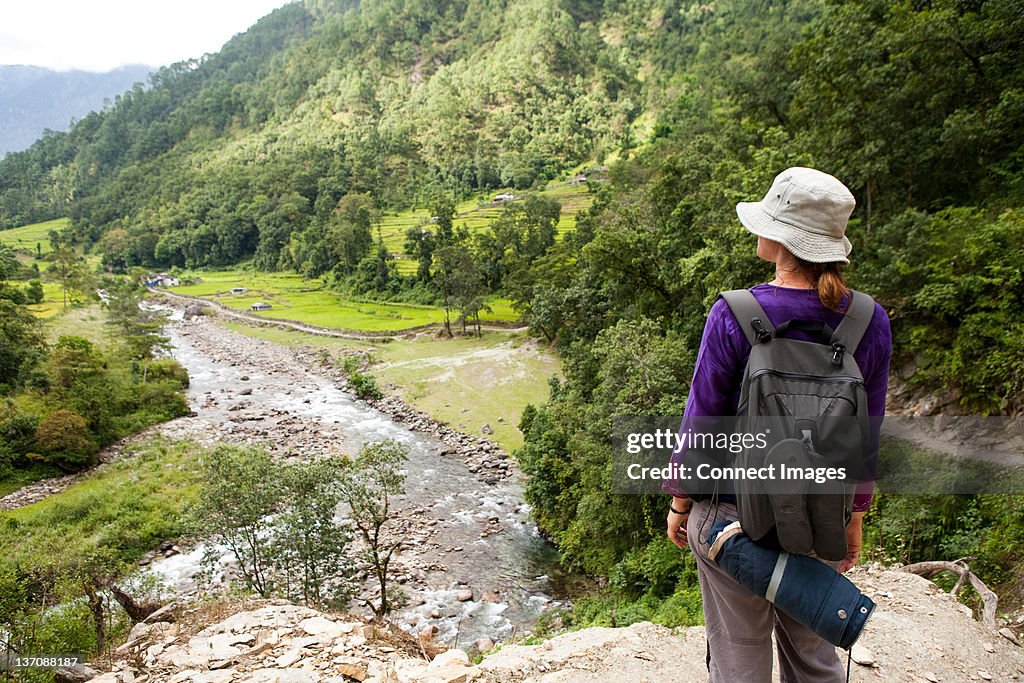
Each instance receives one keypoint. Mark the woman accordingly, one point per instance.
(801, 226)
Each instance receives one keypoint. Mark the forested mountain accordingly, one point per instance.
(34, 99)
(225, 158)
(282, 146)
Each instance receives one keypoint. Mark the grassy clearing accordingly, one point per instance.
(574, 199)
(468, 382)
(52, 303)
(83, 321)
(465, 382)
(309, 301)
(126, 507)
(25, 238)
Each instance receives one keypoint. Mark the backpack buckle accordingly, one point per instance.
(837, 354)
(763, 335)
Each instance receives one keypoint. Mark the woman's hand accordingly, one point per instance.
(677, 521)
(854, 534)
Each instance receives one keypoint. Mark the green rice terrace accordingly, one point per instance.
(478, 212)
(293, 297)
(33, 240)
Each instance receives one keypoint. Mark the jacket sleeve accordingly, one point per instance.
(715, 389)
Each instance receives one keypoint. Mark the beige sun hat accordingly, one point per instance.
(806, 211)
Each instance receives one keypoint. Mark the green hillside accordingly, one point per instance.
(224, 159)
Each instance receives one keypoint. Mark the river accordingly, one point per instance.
(464, 534)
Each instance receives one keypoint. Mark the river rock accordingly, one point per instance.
(282, 676)
(448, 657)
(464, 595)
(321, 626)
(288, 658)
(164, 614)
(194, 311)
(79, 673)
(356, 671)
(1008, 634)
(862, 655)
(483, 645)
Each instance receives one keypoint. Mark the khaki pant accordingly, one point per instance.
(740, 624)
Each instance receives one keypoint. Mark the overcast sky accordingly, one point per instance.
(99, 35)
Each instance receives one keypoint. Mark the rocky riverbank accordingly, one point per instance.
(484, 457)
(279, 430)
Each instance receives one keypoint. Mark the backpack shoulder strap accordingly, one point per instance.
(855, 323)
(751, 317)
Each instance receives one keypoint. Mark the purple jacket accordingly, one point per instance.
(715, 390)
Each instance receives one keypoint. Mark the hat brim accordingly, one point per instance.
(801, 243)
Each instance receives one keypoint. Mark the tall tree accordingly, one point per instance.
(371, 482)
(70, 269)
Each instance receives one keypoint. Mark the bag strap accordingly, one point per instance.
(855, 323)
(752, 319)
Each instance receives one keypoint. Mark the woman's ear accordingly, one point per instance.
(767, 249)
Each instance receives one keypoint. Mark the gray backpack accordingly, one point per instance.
(809, 400)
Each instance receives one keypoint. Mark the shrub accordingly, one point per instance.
(278, 521)
(363, 384)
(18, 432)
(34, 292)
(64, 437)
(167, 369)
(156, 401)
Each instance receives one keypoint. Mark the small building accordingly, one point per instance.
(163, 280)
(503, 197)
(239, 290)
(261, 306)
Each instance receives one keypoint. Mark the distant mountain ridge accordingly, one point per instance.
(34, 99)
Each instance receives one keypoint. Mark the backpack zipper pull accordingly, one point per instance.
(837, 354)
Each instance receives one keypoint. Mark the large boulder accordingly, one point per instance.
(79, 673)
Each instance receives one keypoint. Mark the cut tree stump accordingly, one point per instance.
(988, 598)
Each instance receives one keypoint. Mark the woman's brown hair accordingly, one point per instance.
(832, 289)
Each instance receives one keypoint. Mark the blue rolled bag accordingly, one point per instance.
(801, 586)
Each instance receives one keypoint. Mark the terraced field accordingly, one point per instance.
(478, 213)
(25, 238)
(309, 301)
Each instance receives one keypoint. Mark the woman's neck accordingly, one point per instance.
(790, 279)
